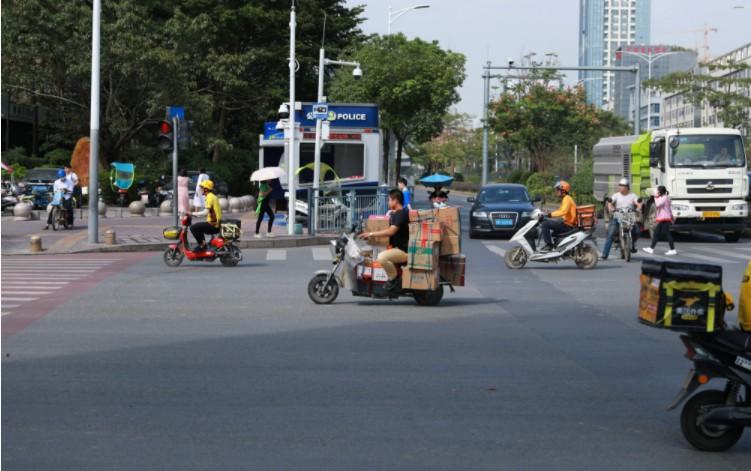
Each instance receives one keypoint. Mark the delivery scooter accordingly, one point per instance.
(354, 267)
(221, 246)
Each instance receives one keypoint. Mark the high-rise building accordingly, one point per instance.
(653, 62)
(604, 26)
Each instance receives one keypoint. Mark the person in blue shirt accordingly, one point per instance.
(405, 191)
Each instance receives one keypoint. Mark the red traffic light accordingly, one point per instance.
(165, 127)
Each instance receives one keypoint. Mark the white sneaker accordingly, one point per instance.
(649, 250)
(270, 235)
(671, 252)
(257, 236)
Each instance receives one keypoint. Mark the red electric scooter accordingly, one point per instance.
(221, 246)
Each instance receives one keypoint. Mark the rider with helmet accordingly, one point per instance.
(213, 212)
(623, 199)
(565, 216)
(64, 186)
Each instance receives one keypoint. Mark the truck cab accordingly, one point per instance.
(705, 172)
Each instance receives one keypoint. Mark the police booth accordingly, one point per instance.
(352, 147)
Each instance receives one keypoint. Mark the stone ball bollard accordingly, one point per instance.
(224, 203)
(235, 205)
(137, 209)
(110, 238)
(102, 209)
(22, 211)
(35, 244)
(165, 207)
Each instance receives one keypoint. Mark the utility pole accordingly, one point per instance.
(485, 125)
(175, 187)
(93, 232)
(292, 151)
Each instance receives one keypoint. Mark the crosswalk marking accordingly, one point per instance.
(24, 293)
(18, 300)
(321, 253)
(739, 256)
(276, 254)
(35, 283)
(495, 249)
(706, 258)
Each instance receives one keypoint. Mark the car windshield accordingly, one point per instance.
(710, 151)
(42, 174)
(503, 195)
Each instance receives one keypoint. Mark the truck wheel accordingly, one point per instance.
(707, 437)
(732, 237)
(429, 298)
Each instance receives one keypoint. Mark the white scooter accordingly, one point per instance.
(570, 245)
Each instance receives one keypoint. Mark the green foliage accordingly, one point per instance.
(58, 157)
(413, 82)
(541, 183)
(15, 155)
(536, 117)
(721, 86)
(582, 182)
(518, 176)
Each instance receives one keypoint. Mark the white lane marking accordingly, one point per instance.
(52, 262)
(35, 283)
(706, 258)
(57, 259)
(723, 253)
(18, 300)
(5, 313)
(496, 250)
(321, 253)
(24, 293)
(276, 254)
(11, 306)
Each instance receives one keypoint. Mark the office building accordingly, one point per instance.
(653, 62)
(605, 26)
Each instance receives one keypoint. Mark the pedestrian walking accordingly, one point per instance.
(183, 197)
(71, 175)
(264, 207)
(664, 219)
(199, 200)
(403, 186)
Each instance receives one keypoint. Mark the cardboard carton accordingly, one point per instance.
(450, 221)
(423, 256)
(425, 232)
(453, 268)
(420, 279)
(374, 224)
(423, 215)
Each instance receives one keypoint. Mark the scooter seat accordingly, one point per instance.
(566, 234)
(736, 339)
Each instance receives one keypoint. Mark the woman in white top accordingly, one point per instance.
(199, 201)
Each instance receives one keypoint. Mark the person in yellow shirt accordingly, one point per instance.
(565, 216)
(744, 303)
(213, 212)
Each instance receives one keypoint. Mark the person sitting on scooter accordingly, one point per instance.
(64, 186)
(213, 212)
(398, 233)
(566, 212)
(624, 199)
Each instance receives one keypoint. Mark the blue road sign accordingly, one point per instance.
(176, 112)
(320, 111)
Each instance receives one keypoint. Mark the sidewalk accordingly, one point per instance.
(133, 234)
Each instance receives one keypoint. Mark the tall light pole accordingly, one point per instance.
(357, 73)
(395, 15)
(292, 151)
(650, 59)
(485, 125)
(93, 231)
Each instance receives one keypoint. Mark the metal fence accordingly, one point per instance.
(341, 209)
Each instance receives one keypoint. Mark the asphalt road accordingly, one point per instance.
(205, 367)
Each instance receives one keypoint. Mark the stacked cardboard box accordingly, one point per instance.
(424, 249)
(374, 224)
(450, 226)
(420, 279)
(453, 268)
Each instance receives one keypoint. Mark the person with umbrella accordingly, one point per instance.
(264, 176)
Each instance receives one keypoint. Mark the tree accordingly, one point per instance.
(539, 118)
(723, 87)
(413, 82)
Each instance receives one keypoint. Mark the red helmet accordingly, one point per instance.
(564, 186)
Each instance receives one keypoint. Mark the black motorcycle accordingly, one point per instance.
(714, 419)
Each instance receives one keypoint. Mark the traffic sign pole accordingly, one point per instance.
(175, 132)
(313, 226)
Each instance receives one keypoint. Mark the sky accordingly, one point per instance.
(497, 30)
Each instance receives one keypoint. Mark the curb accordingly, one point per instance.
(276, 243)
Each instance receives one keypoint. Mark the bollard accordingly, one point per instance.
(35, 244)
(110, 238)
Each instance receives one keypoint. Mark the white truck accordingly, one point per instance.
(703, 169)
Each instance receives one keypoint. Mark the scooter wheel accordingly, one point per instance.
(232, 258)
(173, 257)
(516, 258)
(321, 292)
(706, 437)
(587, 259)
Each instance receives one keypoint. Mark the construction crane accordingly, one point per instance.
(704, 56)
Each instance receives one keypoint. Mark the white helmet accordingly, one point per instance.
(624, 182)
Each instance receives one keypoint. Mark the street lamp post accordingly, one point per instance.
(357, 73)
(93, 230)
(650, 59)
(291, 210)
(395, 15)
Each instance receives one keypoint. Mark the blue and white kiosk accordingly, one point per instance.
(353, 147)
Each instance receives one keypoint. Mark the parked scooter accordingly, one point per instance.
(351, 269)
(221, 246)
(714, 419)
(574, 244)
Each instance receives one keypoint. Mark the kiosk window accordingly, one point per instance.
(347, 160)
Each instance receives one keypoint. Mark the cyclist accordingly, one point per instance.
(623, 199)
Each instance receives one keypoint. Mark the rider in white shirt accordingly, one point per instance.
(623, 199)
(65, 186)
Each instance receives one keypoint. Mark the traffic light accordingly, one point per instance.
(166, 136)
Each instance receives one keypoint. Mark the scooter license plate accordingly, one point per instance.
(504, 222)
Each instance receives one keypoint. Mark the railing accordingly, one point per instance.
(340, 209)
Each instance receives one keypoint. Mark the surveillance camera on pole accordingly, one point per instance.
(510, 62)
(357, 73)
(283, 111)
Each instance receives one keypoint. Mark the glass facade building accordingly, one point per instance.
(605, 26)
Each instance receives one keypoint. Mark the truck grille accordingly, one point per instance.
(710, 208)
(720, 181)
(705, 191)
